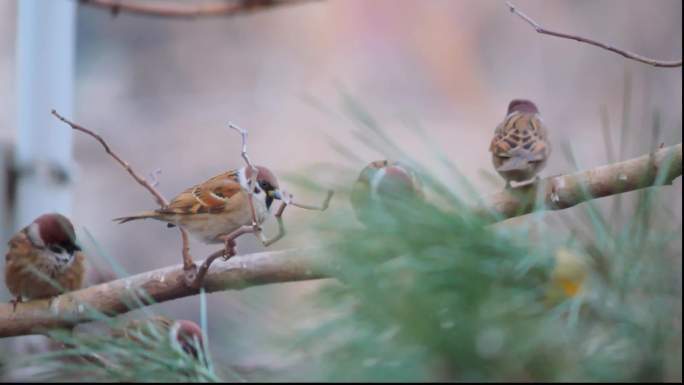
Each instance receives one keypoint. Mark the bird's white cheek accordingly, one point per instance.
(34, 235)
(260, 208)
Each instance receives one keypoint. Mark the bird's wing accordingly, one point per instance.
(210, 196)
(521, 134)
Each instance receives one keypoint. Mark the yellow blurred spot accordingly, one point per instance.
(570, 288)
(568, 276)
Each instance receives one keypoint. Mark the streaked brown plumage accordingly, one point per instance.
(520, 147)
(219, 205)
(184, 331)
(45, 248)
(379, 183)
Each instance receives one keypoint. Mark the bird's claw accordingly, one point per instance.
(15, 302)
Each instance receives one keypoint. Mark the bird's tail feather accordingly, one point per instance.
(143, 215)
(516, 163)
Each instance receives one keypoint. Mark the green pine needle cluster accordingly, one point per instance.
(428, 292)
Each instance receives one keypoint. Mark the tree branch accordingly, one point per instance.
(627, 54)
(564, 191)
(184, 10)
(117, 297)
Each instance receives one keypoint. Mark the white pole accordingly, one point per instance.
(45, 69)
(45, 80)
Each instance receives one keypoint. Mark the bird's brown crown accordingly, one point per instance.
(56, 229)
(522, 105)
(263, 175)
(187, 332)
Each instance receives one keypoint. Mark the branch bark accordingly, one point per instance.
(117, 297)
(183, 10)
(564, 191)
(625, 53)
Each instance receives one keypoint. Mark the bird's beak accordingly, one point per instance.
(275, 194)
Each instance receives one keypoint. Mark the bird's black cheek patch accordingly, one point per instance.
(269, 202)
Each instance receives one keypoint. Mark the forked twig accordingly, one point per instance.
(188, 263)
(627, 54)
(229, 249)
(243, 149)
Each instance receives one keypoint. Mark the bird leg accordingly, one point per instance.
(15, 302)
(229, 250)
(189, 266)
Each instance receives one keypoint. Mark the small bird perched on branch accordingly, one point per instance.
(185, 332)
(44, 259)
(215, 208)
(380, 183)
(520, 147)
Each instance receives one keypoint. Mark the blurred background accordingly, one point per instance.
(161, 92)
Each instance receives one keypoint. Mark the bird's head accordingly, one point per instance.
(54, 233)
(522, 105)
(267, 187)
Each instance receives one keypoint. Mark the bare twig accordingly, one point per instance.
(243, 149)
(322, 207)
(627, 54)
(281, 226)
(159, 198)
(166, 284)
(184, 10)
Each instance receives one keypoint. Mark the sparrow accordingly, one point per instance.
(185, 332)
(44, 259)
(216, 207)
(520, 146)
(380, 183)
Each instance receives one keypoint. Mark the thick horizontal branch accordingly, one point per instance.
(608, 47)
(117, 297)
(564, 191)
(188, 9)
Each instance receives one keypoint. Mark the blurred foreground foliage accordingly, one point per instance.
(123, 351)
(435, 295)
(427, 292)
